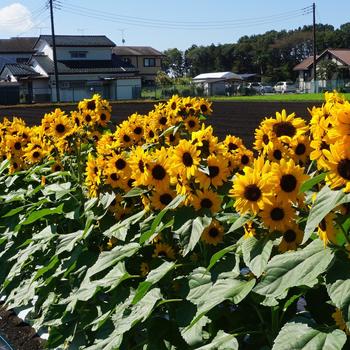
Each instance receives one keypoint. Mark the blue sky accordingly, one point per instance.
(165, 24)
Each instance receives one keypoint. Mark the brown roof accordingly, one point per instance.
(17, 45)
(306, 64)
(136, 51)
(342, 54)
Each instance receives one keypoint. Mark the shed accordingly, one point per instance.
(217, 83)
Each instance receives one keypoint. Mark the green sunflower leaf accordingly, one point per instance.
(338, 286)
(222, 341)
(302, 334)
(295, 268)
(308, 184)
(326, 200)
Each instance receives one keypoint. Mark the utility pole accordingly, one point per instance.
(314, 45)
(54, 52)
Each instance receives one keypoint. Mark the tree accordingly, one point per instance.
(326, 70)
(173, 63)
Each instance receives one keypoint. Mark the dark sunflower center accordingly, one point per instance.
(187, 159)
(173, 105)
(191, 111)
(88, 118)
(165, 198)
(277, 154)
(206, 203)
(131, 182)
(24, 135)
(114, 202)
(57, 167)
(126, 138)
(284, 129)
(114, 177)
(141, 165)
(289, 236)
(232, 146)
(204, 108)
(95, 170)
(213, 171)
(300, 149)
(162, 253)
(252, 193)
(91, 105)
(17, 146)
(162, 120)
(171, 137)
(60, 128)
(205, 148)
(36, 154)
(343, 168)
(77, 121)
(151, 134)
(324, 145)
(120, 164)
(191, 123)
(277, 214)
(138, 130)
(103, 117)
(244, 159)
(15, 165)
(265, 139)
(288, 183)
(213, 232)
(158, 172)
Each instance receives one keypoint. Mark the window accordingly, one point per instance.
(149, 62)
(78, 54)
(126, 60)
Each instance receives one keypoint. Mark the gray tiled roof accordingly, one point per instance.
(17, 45)
(136, 51)
(18, 69)
(81, 67)
(79, 40)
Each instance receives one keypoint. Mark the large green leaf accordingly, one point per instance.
(326, 200)
(308, 184)
(256, 253)
(154, 276)
(206, 294)
(37, 215)
(303, 335)
(338, 286)
(295, 268)
(222, 341)
(190, 233)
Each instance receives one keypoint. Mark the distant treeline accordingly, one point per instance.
(271, 55)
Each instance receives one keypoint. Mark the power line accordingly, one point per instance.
(101, 15)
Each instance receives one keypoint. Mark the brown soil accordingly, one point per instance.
(19, 334)
(229, 117)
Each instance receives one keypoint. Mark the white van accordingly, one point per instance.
(285, 86)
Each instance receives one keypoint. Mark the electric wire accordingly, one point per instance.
(204, 26)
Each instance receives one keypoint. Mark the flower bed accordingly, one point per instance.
(156, 234)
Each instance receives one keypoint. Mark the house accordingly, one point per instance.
(85, 66)
(146, 59)
(217, 83)
(341, 57)
(16, 50)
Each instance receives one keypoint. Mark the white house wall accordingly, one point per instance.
(5, 73)
(92, 53)
(42, 47)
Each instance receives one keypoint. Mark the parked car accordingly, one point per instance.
(285, 86)
(267, 88)
(256, 87)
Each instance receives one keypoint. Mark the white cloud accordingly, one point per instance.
(15, 19)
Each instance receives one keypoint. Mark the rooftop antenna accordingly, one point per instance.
(123, 39)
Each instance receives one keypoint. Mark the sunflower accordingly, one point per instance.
(249, 230)
(34, 155)
(164, 250)
(318, 146)
(103, 117)
(278, 151)
(138, 159)
(233, 143)
(292, 238)
(61, 126)
(124, 136)
(300, 147)
(185, 159)
(277, 215)
(326, 230)
(253, 189)
(288, 178)
(88, 118)
(157, 169)
(207, 200)
(286, 126)
(15, 145)
(92, 105)
(174, 104)
(216, 174)
(338, 164)
(264, 139)
(204, 106)
(213, 234)
(192, 123)
(93, 175)
(57, 166)
(206, 142)
(160, 198)
(243, 157)
(172, 139)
